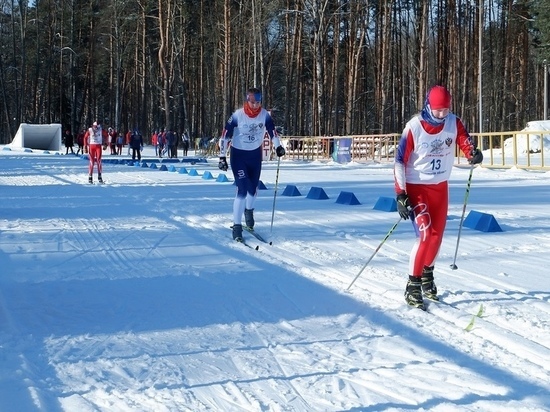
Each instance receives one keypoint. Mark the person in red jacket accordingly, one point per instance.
(128, 140)
(423, 164)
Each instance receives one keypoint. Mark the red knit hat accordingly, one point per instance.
(439, 98)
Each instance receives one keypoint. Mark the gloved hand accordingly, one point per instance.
(280, 151)
(403, 206)
(476, 156)
(223, 164)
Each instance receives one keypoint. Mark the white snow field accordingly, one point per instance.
(131, 296)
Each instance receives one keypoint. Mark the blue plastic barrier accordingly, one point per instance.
(386, 204)
(317, 193)
(291, 190)
(482, 221)
(347, 198)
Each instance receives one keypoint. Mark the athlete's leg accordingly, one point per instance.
(254, 170)
(99, 166)
(238, 167)
(429, 204)
(91, 156)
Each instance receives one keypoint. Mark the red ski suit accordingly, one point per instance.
(425, 158)
(95, 139)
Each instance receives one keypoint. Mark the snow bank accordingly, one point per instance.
(530, 142)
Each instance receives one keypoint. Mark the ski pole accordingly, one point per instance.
(453, 265)
(275, 194)
(374, 253)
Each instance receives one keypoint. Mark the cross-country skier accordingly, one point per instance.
(245, 129)
(95, 139)
(423, 164)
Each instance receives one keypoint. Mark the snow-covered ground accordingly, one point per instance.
(131, 296)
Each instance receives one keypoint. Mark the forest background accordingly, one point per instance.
(326, 67)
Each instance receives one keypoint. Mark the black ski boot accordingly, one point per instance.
(413, 293)
(90, 180)
(99, 179)
(249, 218)
(428, 286)
(238, 232)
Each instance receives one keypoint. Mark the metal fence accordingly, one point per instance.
(520, 149)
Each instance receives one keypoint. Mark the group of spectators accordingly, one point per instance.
(166, 143)
(111, 140)
(95, 139)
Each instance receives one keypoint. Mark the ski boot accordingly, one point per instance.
(237, 232)
(413, 293)
(249, 218)
(99, 179)
(429, 290)
(90, 180)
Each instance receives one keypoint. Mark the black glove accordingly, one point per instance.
(475, 157)
(223, 164)
(403, 206)
(280, 151)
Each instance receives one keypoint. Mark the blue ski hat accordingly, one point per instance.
(254, 92)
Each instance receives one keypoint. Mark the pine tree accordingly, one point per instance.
(542, 23)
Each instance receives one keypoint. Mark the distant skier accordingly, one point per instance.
(423, 165)
(95, 138)
(245, 129)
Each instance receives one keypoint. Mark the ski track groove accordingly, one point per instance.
(282, 378)
(462, 273)
(458, 318)
(100, 234)
(273, 257)
(311, 267)
(288, 378)
(251, 240)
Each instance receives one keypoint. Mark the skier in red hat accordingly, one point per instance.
(423, 164)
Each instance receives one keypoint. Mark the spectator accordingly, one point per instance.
(175, 147)
(155, 142)
(112, 140)
(170, 140)
(185, 142)
(69, 141)
(80, 142)
(119, 143)
(161, 143)
(128, 139)
(136, 143)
